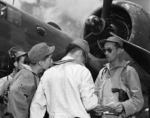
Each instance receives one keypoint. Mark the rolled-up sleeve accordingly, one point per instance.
(38, 105)
(136, 101)
(87, 90)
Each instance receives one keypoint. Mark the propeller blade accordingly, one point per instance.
(89, 38)
(106, 8)
(139, 54)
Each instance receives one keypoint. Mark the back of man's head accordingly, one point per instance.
(77, 45)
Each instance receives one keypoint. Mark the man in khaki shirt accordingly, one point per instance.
(26, 81)
(17, 56)
(116, 81)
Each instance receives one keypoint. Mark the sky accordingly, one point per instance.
(70, 15)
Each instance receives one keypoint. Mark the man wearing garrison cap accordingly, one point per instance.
(27, 80)
(17, 56)
(66, 89)
(118, 84)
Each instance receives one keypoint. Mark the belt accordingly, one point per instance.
(109, 115)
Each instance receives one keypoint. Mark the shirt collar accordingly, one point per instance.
(67, 58)
(28, 68)
(122, 64)
(71, 58)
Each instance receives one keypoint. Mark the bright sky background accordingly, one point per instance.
(70, 15)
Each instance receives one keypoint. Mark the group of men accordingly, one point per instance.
(66, 89)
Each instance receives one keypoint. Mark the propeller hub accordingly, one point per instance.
(95, 24)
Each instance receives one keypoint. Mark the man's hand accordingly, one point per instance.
(116, 110)
(119, 108)
(98, 110)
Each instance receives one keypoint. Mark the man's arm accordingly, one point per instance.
(4, 83)
(87, 90)
(99, 83)
(38, 105)
(135, 103)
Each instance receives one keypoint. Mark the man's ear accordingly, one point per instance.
(77, 53)
(40, 62)
(80, 52)
(120, 50)
(15, 64)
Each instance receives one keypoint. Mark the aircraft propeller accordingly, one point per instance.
(106, 8)
(97, 26)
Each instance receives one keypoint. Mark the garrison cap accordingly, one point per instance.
(112, 39)
(39, 51)
(16, 52)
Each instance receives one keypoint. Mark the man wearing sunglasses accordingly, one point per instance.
(118, 85)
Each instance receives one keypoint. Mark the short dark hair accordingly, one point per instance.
(71, 48)
(26, 60)
(19, 58)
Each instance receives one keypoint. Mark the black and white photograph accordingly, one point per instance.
(74, 58)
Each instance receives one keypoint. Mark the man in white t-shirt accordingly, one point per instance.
(67, 89)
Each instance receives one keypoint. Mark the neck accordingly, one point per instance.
(73, 56)
(14, 72)
(36, 69)
(116, 62)
(76, 58)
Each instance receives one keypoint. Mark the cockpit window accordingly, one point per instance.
(10, 14)
(14, 16)
(2, 10)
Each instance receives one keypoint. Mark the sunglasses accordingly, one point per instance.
(109, 50)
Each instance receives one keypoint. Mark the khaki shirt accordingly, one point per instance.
(126, 78)
(21, 93)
